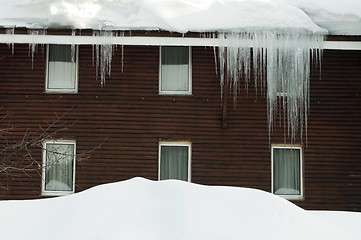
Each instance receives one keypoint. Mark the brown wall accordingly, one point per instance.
(124, 121)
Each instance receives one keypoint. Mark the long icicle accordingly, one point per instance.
(281, 62)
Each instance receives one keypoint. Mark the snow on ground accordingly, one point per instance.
(350, 221)
(162, 210)
(185, 15)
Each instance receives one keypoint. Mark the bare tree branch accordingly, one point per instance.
(16, 156)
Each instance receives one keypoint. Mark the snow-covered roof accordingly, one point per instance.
(334, 16)
(140, 209)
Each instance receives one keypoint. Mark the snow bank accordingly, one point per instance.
(350, 221)
(143, 209)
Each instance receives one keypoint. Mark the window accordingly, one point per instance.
(175, 71)
(287, 171)
(288, 87)
(58, 167)
(174, 160)
(281, 88)
(61, 74)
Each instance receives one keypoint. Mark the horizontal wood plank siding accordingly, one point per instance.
(117, 127)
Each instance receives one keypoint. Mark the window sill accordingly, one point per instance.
(56, 193)
(61, 92)
(174, 93)
(291, 197)
(281, 94)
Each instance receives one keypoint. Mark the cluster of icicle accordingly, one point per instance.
(32, 43)
(281, 61)
(102, 52)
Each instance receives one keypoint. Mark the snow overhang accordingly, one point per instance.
(172, 15)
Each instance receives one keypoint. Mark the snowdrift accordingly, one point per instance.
(141, 209)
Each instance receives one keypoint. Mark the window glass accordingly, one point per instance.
(287, 171)
(58, 168)
(60, 53)
(281, 88)
(61, 69)
(174, 162)
(175, 70)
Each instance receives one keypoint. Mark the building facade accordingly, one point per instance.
(161, 114)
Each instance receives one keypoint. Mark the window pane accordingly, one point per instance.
(281, 88)
(61, 75)
(59, 167)
(60, 53)
(175, 69)
(174, 162)
(287, 176)
(175, 55)
(61, 68)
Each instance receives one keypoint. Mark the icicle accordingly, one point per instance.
(235, 57)
(103, 53)
(212, 35)
(222, 59)
(288, 78)
(215, 54)
(121, 34)
(281, 58)
(11, 31)
(73, 48)
(32, 43)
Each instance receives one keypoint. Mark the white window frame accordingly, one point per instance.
(283, 146)
(166, 92)
(61, 90)
(57, 193)
(175, 143)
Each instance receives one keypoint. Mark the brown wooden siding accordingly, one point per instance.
(124, 121)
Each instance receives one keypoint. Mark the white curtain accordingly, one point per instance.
(287, 174)
(61, 67)
(59, 167)
(174, 162)
(175, 69)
